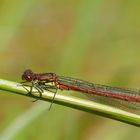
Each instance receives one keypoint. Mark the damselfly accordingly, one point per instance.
(127, 99)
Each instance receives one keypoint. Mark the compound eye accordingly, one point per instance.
(28, 77)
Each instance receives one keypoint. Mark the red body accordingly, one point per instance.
(101, 91)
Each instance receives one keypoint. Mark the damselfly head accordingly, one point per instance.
(27, 75)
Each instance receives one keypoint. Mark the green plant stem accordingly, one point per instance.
(74, 102)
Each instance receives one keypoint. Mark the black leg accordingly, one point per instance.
(35, 85)
(40, 88)
(50, 88)
(26, 85)
(53, 99)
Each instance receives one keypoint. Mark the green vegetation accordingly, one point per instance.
(97, 41)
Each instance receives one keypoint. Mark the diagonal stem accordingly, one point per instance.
(74, 102)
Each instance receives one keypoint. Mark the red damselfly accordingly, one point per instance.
(127, 99)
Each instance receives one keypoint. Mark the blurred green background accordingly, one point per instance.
(96, 41)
